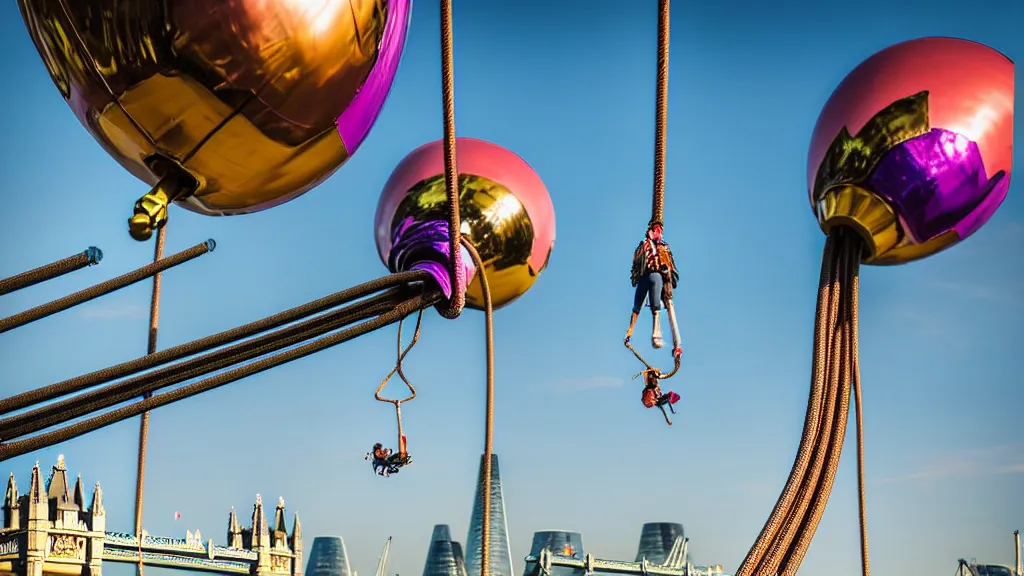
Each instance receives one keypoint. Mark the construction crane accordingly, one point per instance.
(382, 562)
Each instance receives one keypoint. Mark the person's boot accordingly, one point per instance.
(632, 324)
(656, 340)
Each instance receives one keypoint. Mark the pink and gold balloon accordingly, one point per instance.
(914, 149)
(224, 107)
(505, 209)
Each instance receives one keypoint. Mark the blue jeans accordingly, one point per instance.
(649, 287)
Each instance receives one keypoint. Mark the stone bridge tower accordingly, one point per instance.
(50, 529)
(277, 552)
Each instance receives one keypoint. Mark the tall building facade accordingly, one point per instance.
(441, 532)
(328, 558)
(656, 541)
(559, 543)
(444, 555)
(501, 558)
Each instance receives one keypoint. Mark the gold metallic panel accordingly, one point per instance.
(242, 96)
(495, 221)
(870, 216)
(851, 159)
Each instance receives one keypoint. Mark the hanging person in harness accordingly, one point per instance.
(654, 275)
(379, 458)
(652, 395)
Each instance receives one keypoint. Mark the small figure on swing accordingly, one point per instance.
(652, 395)
(385, 462)
(654, 275)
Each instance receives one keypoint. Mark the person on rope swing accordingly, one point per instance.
(652, 395)
(381, 457)
(654, 275)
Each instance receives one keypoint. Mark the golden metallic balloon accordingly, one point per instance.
(224, 106)
(914, 149)
(504, 207)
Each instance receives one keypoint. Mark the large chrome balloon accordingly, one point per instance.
(505, 210)
(224, 106)
(914, 148)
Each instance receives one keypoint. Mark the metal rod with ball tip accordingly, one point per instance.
(91, 256)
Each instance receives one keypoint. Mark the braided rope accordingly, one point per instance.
(104, 288)
(485, 533)
(394, 314)
(89, 402)
(154, 326)
(453, 308)
(79, 383)
(50, 271)
(661, 114)
(786, 537)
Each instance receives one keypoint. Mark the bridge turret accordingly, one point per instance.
(63, 510)
(96, 516)
(295, 543)
(234, 531)
(37, 525)
(260, 537)
(12, 512)
(79, 499)
(96, 507)
(280, 534)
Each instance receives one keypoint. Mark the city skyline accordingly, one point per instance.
(569, 87)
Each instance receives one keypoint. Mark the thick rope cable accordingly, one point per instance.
(154, 327)
(91, 293)
(849, 262)
(661, 114)
(89, 257)
(858, 397)
(811, 419)
(485, 535)
(787, 535)
(796, 518)
(832, 417)
(79, 383)
(13, 449)
(453, 308)
(88, 402)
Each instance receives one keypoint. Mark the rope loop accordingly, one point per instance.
(398, 365)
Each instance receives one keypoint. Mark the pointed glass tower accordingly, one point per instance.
(501, 558)
(328, 557)
(441, 532)
(656, 541)
(444, 556)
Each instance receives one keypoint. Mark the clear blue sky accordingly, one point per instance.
(570, 87)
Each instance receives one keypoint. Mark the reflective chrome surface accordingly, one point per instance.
(254, 99)
(914, 148)
(506, 211)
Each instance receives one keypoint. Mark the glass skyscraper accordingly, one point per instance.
(441, 559)
(559, 543)
(501, 559)
(656, 541)
(441, 532)
(328, 557)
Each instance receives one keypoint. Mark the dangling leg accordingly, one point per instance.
(677, 347)
(654, 297)
(669, 399)
(643, 287)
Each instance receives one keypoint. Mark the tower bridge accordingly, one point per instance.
(50, 531)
